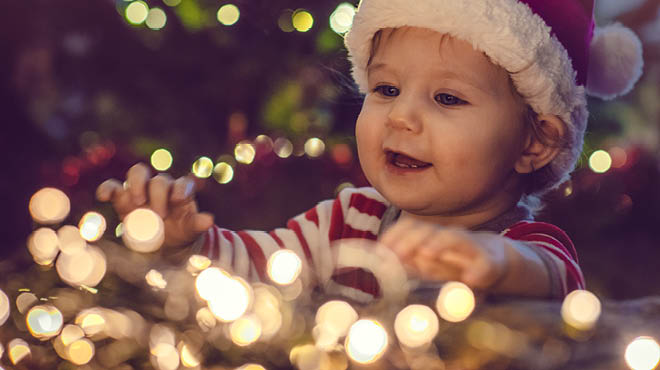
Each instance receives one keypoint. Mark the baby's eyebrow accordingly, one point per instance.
(441, 74)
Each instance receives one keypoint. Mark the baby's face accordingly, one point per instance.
(440, 129)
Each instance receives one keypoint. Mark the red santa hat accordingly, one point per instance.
(553, 46)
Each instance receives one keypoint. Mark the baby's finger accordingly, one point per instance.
(159, 191)
(202, 222)
(182, 189)
(107, 189)
(137, 178)
(396, 232)
(413, 239)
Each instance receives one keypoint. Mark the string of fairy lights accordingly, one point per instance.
(233, 314)
(138, 13)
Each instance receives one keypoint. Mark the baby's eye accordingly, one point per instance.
(387, 90)
(447, 99)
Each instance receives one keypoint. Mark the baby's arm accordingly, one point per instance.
(483, 260)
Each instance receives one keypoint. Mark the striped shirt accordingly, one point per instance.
(357, 213)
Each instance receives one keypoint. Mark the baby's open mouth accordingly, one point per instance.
(403, 161)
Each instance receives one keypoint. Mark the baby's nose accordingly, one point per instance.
(405, 115)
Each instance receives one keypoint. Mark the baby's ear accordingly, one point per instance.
(544, 142)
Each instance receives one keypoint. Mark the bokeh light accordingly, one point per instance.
(643, 353)
(251, 367)
(86, 266)
(205, 319)
(246, 330)
(189, 358)
(70, 334)
(455, 302)
(156, 19)
(233, 298)
(314, 147)
(366, 341)
(155, 279)
(25, 301)
(208, 280)
(284, 267)
(283, 147)
(91, 321)
(197, 263)
(267, 308)
(49, 206)
(80, 351)
(92, 226)
(203, 167)
(137, 12)
(244, 152)
(172, 2)
(337, 316)
(144, 230)
(302, 20)
(43, 245)
(18, 349)
(600, 161)
(581, 309)
(70, 240)
(223, 173)
(416, 325)
(166, 356)
(228, 14)
(119, 230)
(284, 22)
(161, 159)
(342, 18)
(4, 307)
(619, 157)
(44, 322)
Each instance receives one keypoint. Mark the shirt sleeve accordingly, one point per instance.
(557, 252)
(355, 213)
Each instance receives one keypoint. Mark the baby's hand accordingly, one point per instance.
(173, 200)
(432, 252)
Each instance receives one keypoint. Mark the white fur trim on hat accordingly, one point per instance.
(615, 62)
(510, 34)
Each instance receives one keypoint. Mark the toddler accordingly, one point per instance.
(472, 110)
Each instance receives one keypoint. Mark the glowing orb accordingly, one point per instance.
(155, 279)
(643, 353)
(18, 350)
(44, 322)
(283, 147)
(337, 316)
(245, 331)
(366, 341)
(302, 20)
(43, 245)
(92, 226)
(223, 173)
(4, 307)
(228, 14)
(137, 12)
(284, 267)
(314, 147)
(581, 309)
(49, 206)
(342, 18)
(209, 280)
(600, 161)
(156, 19)
(455, 302)
(232, 301)
(161, 159)
(203, 167)
(80, 351)
(416, 325)
(244, 152)
(144, 230)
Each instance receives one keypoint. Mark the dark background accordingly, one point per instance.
(85, 95)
